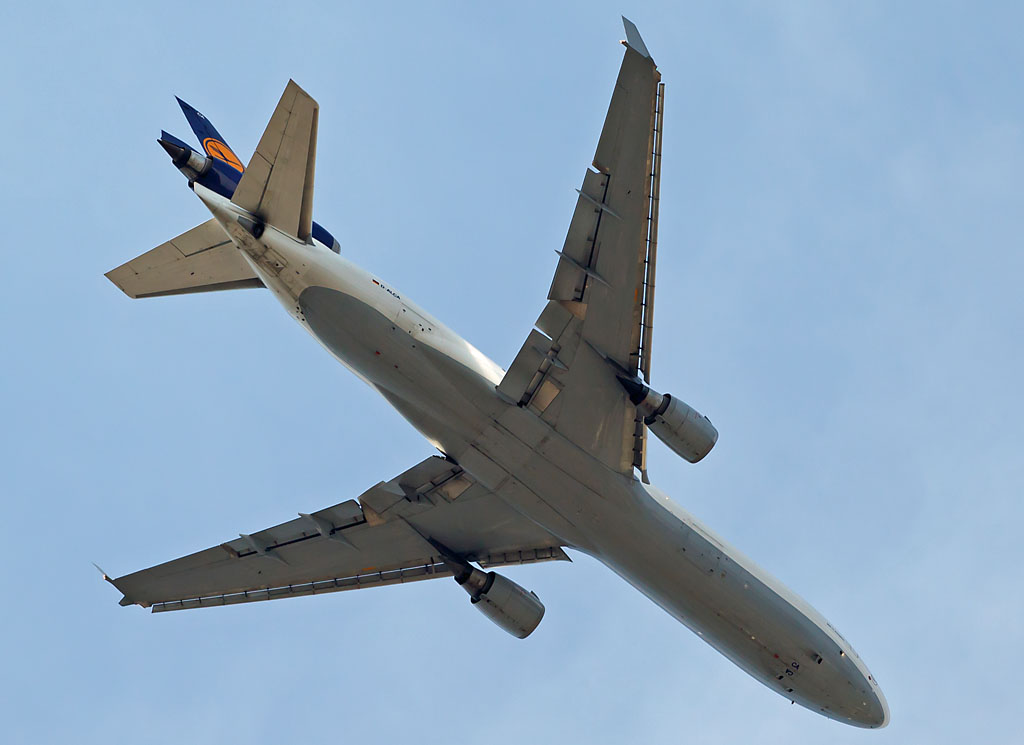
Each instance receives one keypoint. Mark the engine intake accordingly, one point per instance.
(688, 432)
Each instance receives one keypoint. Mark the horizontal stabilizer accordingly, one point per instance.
(202, 260)
(277, 184)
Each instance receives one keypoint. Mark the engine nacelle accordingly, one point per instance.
(188, 161)
(688, 432)
(683, 428)
(508, 605)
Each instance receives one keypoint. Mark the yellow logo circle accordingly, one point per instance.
(220, 151)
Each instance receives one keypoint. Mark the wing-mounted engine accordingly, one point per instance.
(688, 432)
(511, 607)
(515, 609)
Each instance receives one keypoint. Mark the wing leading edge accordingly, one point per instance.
(600, 312)
(383, 537)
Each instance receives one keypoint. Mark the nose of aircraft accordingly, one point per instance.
(872, 713)
(849, 694)
(878, 714)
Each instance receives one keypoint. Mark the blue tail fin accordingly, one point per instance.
(210, 138)
(168, 137)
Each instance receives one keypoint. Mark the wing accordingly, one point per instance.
(601, 302)
(379, 539)
(200, 260)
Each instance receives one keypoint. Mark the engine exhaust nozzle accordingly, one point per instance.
(186, 160)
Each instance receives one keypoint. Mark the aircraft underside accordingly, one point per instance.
(635, 530)
(546, 455)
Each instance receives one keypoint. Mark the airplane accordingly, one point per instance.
(548, 455)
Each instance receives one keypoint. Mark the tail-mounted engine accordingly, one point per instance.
(194, 165)
(688, 432)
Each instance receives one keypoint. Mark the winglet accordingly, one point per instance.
(124, 600)
(633, 39)
(100, 570)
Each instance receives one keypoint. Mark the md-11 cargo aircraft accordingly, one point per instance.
(547, 455)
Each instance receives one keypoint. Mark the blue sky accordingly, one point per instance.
(839, 290)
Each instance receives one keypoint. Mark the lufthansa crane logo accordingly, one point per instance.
(220, 151)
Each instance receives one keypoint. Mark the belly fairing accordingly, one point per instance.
(446, 398)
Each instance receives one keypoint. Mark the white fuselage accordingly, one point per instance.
(446, 388)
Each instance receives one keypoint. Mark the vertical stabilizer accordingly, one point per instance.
(213, 144)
